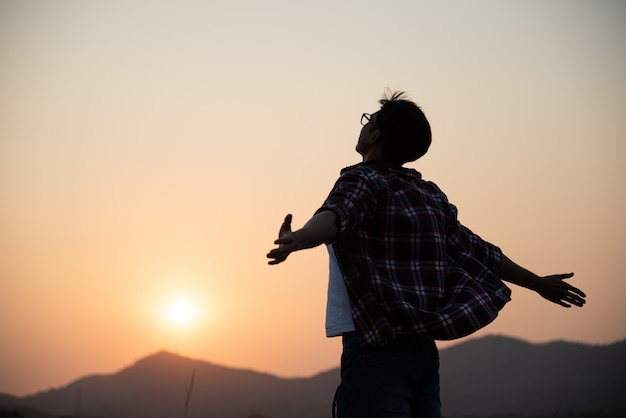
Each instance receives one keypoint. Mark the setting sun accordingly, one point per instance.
(181, 312)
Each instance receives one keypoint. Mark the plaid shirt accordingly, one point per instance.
(409, 266)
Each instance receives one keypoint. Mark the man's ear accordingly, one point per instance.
(374, 137)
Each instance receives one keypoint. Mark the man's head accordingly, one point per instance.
(399, 129)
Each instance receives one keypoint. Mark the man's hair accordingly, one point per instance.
(404, 128)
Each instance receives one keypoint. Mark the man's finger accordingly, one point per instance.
(286, 226)
(577, 291)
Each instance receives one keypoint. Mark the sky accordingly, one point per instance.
(149, 151)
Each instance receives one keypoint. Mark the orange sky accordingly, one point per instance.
(149, 152)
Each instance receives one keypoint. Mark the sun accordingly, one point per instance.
(181, 312)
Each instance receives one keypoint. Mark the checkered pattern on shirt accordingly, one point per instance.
(409, 266)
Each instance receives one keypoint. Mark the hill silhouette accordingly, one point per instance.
(499, 375)
(486, 376)
(155, 387)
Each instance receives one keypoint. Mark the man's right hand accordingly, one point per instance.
(285, 241)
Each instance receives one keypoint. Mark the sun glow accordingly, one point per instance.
(181, 312)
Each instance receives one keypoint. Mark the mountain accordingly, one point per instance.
(486, 376)
(156, 387)
(499, 375)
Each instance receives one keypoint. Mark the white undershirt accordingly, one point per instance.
(338, 314)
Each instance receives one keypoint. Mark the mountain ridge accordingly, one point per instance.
(489, 375)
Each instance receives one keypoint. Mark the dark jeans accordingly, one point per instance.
(399, 380)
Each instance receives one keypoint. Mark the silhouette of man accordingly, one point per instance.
(403, 270)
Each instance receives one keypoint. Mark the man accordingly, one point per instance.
(405, 268)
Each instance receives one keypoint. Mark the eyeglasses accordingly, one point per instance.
(366, 118)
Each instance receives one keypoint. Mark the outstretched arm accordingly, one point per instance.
(552, 288)
(320, 229)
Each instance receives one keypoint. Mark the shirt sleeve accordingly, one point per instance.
(460, 239)
(353, 197)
